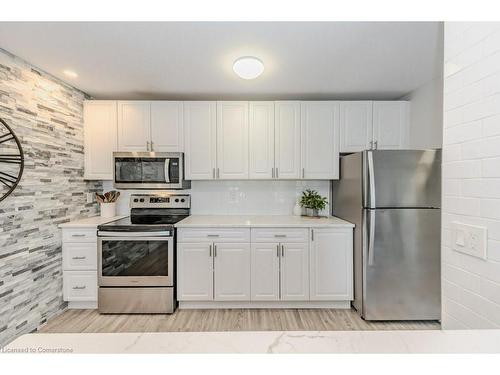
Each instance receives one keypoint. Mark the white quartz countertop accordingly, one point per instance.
(471, 341)
(89, 222)
(197, 221)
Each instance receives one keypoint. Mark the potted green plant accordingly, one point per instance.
(312, 202)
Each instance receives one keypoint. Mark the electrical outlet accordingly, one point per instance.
(469, 239)
(90, 197)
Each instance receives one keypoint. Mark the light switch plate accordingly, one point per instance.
(469, 239)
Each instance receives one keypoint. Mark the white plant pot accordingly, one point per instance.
(108, 209)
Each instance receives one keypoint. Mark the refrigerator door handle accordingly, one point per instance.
(371, 179)
(371, 239)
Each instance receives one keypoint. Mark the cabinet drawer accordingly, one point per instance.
(280, 235)
(79, 256)
(214, 235)
(80, 235)
(80, 285)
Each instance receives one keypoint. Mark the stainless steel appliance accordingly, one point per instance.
(393, 198)
(149, 170)
(136, 256)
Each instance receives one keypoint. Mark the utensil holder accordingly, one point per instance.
(108, 209)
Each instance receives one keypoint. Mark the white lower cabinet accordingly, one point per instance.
(259, 266)
(80, 286)
(294, 272)
(231, 271)
(331, 264)
(265, 272)
(195, 278)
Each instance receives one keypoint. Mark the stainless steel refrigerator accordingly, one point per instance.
(394, 198)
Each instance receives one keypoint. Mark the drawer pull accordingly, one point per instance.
(212, 235)
(280, 235)
(76, 287)
(78, 235)
(79, 258)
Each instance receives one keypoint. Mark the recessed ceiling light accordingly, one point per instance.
(248, 67)
(70, 73)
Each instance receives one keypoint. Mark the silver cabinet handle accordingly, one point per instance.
(277, 176)
(212, 235)
(282, 250)
(210, 251)
(376, 145)
(79, 258)
(278, 250)
(218, 175)
(215, 251)
(272, 172)
(303, 172)
(151, 143)
(78, 235)
(312, 234)
(147, 145)
(371, 145)
(76, 287)
(280, 235)
(213, 173)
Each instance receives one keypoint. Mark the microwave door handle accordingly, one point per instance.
(167, 170)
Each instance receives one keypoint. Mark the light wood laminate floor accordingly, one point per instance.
(76, 321)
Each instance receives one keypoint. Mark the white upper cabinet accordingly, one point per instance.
(261, 140)
(200, 140)
(331, 264)
(134, 125)
(287, 141)
(167, 126)
(390, 125)
(232, 271)
(100, 132)
(232, 140)
(320, 140)
(356, 131)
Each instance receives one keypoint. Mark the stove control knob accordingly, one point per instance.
(183, 200)
(141, 200)
(136, 200)
(176, 200)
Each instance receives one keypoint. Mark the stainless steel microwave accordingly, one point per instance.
(149, 170)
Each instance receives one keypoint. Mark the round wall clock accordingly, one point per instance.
(11, 160)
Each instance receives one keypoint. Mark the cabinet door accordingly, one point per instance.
(232, 271)
(261, 140)
(200, 140)
(295, 272)
(287, 139)
(134, 125)
(331, 270)
(390, 125)
(320, 140)
(194, 272)
(356, 128)
(167, 126)
(100, 139)
(265, 271)
(232, 140)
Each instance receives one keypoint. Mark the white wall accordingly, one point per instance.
(238, 197)
(471, 172)
(426, 108)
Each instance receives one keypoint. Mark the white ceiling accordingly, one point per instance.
(193, 60)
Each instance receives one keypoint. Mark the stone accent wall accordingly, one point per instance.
(47, 116)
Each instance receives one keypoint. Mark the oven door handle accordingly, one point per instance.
(125, 235)
(167, 170)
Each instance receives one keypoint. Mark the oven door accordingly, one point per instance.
(138, 170)
(138, 260)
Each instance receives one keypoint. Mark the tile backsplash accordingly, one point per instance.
(238, 197)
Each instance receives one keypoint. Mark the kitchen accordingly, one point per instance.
(240, 199)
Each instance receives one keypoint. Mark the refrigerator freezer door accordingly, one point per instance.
(402, 178)
(401, 264)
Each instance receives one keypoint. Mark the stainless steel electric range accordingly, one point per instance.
(137, 256)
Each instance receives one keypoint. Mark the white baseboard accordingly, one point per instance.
(265, 305)
(82, 305)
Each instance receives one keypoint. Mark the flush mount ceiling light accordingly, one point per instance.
(70, 73)
(248, 67)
